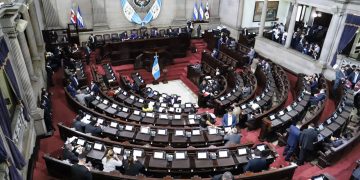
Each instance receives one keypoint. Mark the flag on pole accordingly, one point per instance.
(207, 12)
(80, 21)
(73, 14)
(201, 12)
(196, 13)
(156, 68)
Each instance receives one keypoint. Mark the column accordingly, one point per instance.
(99, 14)
(180, 14)
(291, 25)
(240, 14)
(25, 51)
(51, 14)
(214, 7)
(311, 19)
(329, 39)
(263, 18)
(30, 35)
(35, 25)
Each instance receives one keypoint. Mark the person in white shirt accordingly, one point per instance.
(110, 162)
(283, 39)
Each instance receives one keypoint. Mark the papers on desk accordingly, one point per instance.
(179, 132)
(145, 130)
(260, 147)
(113, 124)
(258, 98)
(227, 129)
(164, 105)
(222, 98)
(191, 116)
(128, 128)
(243, 106)
(136, 112)
(100, 121)
(97, 98)
(176, 105)
(114, 106)
(242, 151)
(149, 114)
(80, 142)
(161, 131)
(137, 153)
(188, 105)
(179, 155)
(196, 132)
(289, 108)
(177, 116)
(163, 116)
(117, 150)
(125, 109)
(223, 153)
(272, 117)
(212, 130)
(281, 113)
(191, 121)
(132, 97)
(105, 101)
(159, 155)
(98, 146)
(141, 100)
(202, 155)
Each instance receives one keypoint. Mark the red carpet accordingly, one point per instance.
(62, 113)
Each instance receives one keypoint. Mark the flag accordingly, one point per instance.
(80, 21)
(207, 12)
(156, 68)
(201, 12)
(153, 13)
(73, 16)
(196, 13)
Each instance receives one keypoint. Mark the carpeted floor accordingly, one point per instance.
(62, 113)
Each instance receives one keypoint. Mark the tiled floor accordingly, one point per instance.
(176, 87)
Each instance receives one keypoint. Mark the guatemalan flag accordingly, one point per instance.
(207, 11)
(80, 21)
(156, 68)
(201, 12)
(153, 13)
(196, 13)
(72, 16)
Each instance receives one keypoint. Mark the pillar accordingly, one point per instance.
(35, 24)
(99, 14)
(10, 30)
(240, 14)
(214, 7)
(329, 39)
(30, 36)
(291, 25)
(180, 14)
(51, 14)
(311, 18)
(263, 18)
(26, 54)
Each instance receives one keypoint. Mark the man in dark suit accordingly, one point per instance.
(226, 176)
(232, 137)
(72, 91)
(92, 41)
(354, 77)
(257, 164)
(292, 141)
(93, 128)
(74, 81)
(78, 125)
(94, 87)
(306, 143)
(314, 100)
(229, 119)
(340, 75)
(69, 155)
(81, 170)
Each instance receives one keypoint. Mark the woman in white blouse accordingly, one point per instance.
(110, 162)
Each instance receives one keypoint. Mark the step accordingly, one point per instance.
(189, 84)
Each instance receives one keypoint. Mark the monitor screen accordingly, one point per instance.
(159, 155)
(149, 114)
(114, 106)
(212, 131)
(80, 142)
(117, 150)
(98, 146)
(227, 129)
(223, 153)
(295, 104)
(132, 97)
(137, 112)
(163, 116)
(177, 116)
(261, 147)
(242, 151)
(179, 155)
(105, 101)
(202, 155)
(258, 98)
(289, 108)
(125, 109)
(137, 153)
(97, 98)
(113, 124)
(243, 106)
(188, 105)
(191, 121)
(163, 105)
(161, 131)
(191, 116)
(321, 127)
(128, 128)
(176, 105)
(100, 121)
(335, 115)
(125, 93)
(179, 133)
(171, 109)
(141, 100)
(328, 121)
(145, 130)
(196, 132)
(272, 117)
(222, 98)
(281, 113)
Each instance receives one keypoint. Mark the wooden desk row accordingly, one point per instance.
(109, 77)
(214, 63)
(157, 136)
(228, 60)
(281, 120)
(240, 53)
(60, 169)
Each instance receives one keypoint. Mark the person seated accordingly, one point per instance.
(81, 170)
(232, 137)
(71, 90)
(229, 119)
(133, 36)
(314, 100)
(132, 166)
(93, 128)
(94, 87)
(207, 119)
(83, 98)
(74, 81)
(202, 86)
(226, 176)
(147, 107)
(69, 155)
(257, 163)
(246, 91)
(78, 124)
(75, 48)
(354, 77)
(110, 161)
(333, 142)
(215, 54)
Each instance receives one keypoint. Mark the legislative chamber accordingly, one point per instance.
(179, 90)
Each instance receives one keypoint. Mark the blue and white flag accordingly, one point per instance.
(207, 11)
(156, 68)
(130, 13)
(196, 13)
(153, 13)
(80, 21)
(201, 12)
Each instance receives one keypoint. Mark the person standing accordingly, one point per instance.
(229, 119)
(198, 30)
(306, 143)
(91, 41)
(80, 170)
(292, 141)
(251, 55)
(49, 74)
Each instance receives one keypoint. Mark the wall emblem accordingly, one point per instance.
(141, 11)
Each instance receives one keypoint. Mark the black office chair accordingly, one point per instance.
(107, 38)
(115, 37)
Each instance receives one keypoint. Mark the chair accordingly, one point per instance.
(162, 32)
(115, 37)
(107, 38)
(99, 40)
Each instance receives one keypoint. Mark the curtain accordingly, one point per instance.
(5, 124)
(3, 50)
(13, 173)
(352, 24)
